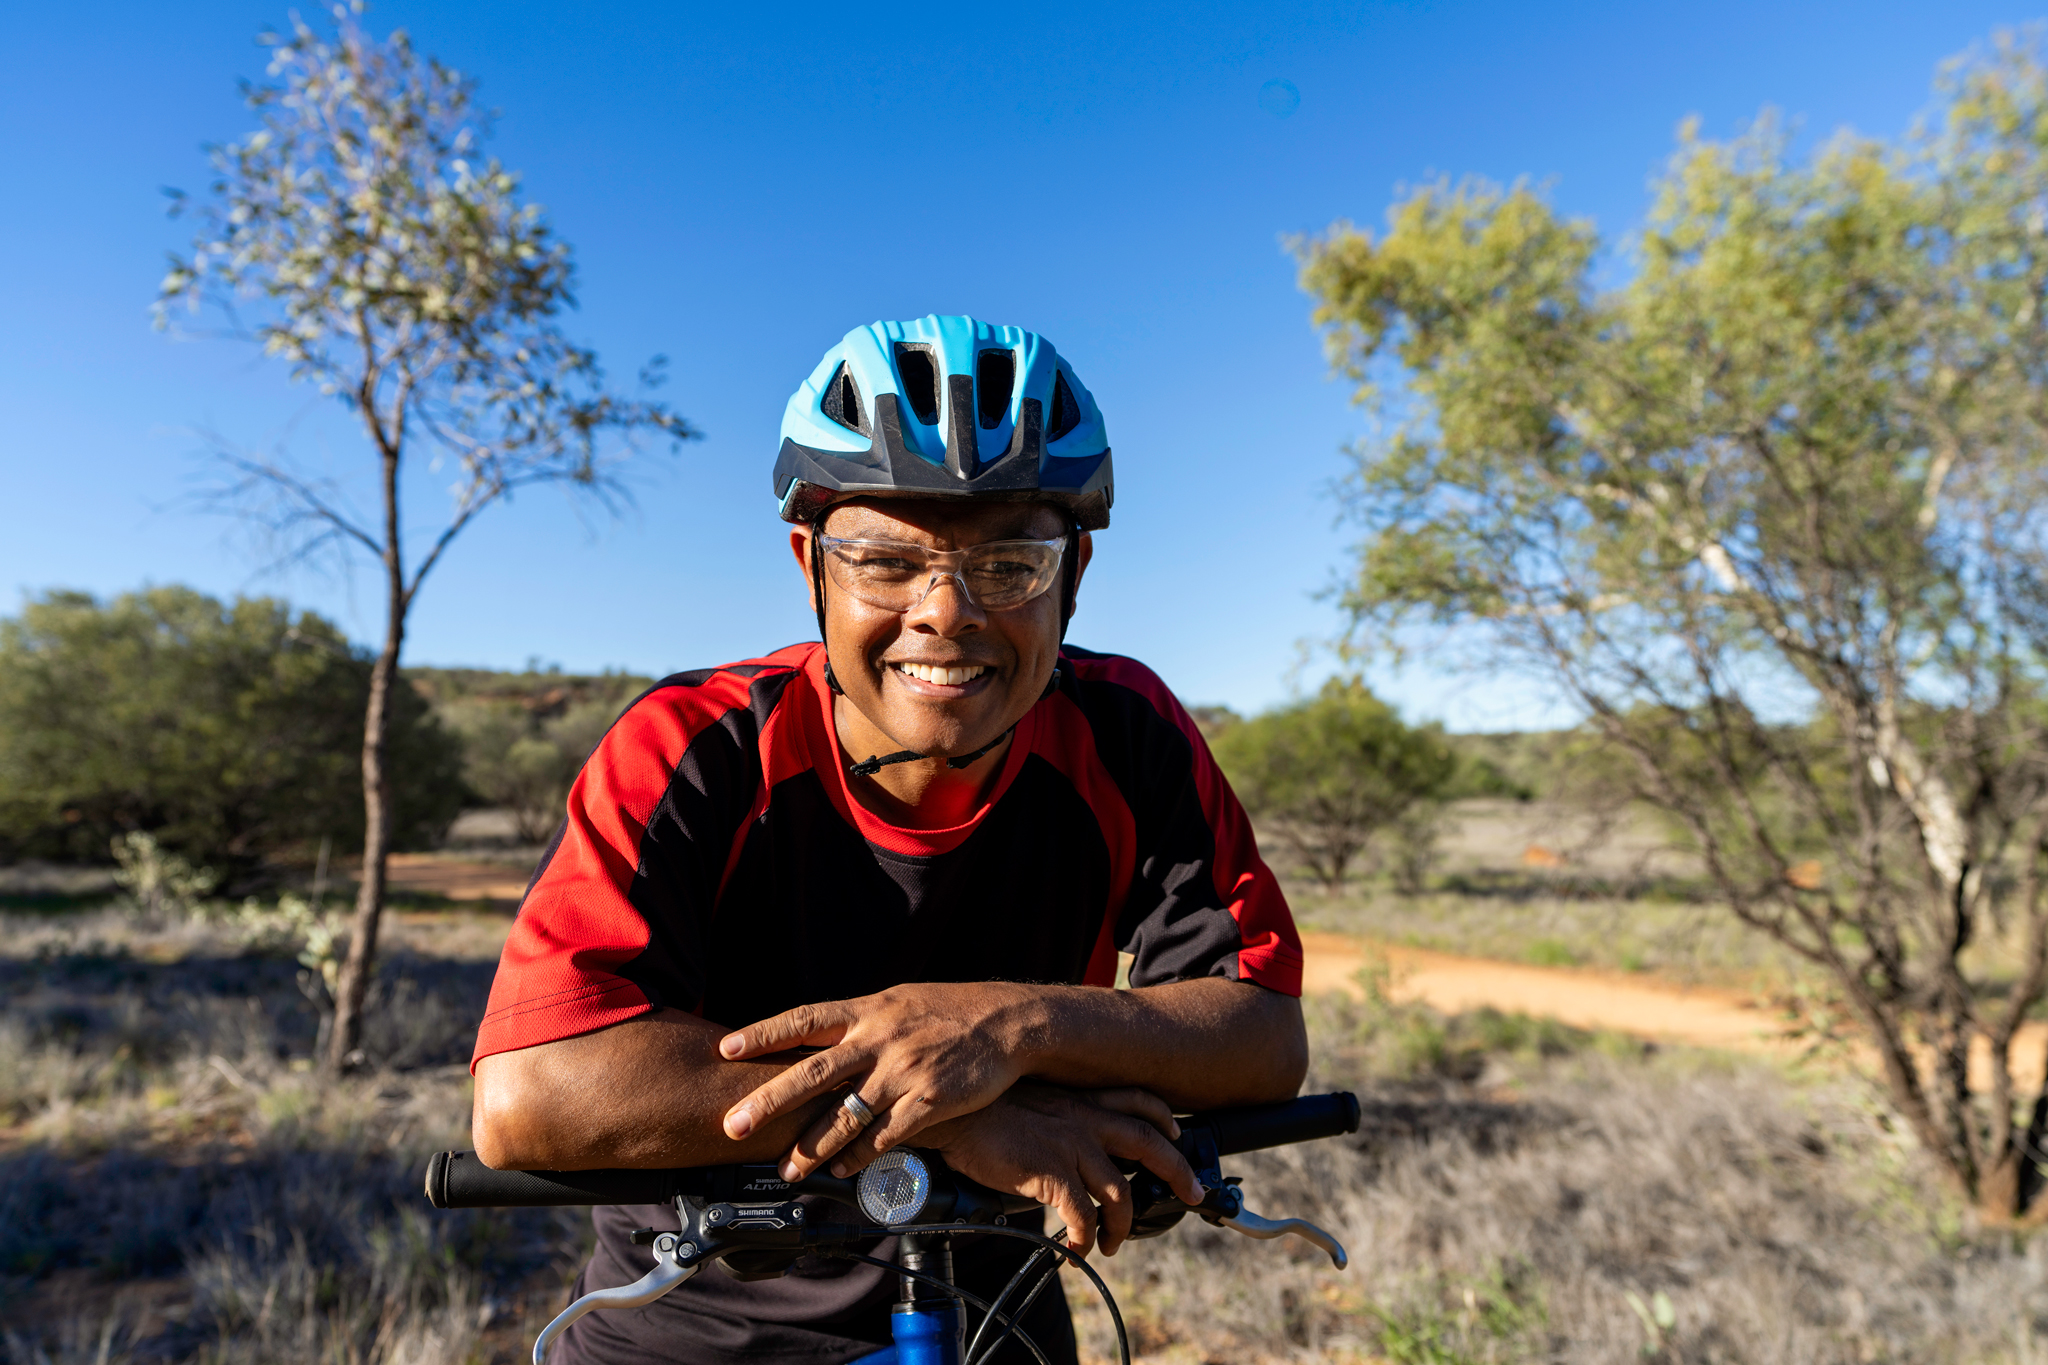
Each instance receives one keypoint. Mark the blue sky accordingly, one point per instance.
(743, 184)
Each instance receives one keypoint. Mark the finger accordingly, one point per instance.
(802, 1082)
(826, 1136)
(1107, 1184)
(1070, 1201)
(901, 1121)
(1142, 1143)
(1139, 1104)
(820, 1025)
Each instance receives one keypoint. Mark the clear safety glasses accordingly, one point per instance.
(895, 575)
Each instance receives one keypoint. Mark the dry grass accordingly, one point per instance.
(177, 1185)
(1513, 1219)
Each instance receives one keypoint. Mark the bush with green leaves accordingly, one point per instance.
(1334, 772)
(521, 758)
(227, 732)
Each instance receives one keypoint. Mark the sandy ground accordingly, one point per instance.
(458, 880)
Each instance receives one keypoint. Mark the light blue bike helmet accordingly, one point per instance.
(944, 407)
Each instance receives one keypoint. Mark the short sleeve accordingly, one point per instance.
(1202, 902)
(612, 924)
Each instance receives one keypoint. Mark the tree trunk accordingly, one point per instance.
(361, 965)
(344, 1042)
(2013, 1178)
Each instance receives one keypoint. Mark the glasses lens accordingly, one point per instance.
(1010, 573)
(896, 576)
(878, 572)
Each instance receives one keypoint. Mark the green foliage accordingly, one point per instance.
(522, 752)
(1213, 720)
(1659, 1317)
(1518, 766)
(159, 883)
(402, 273)
(1375, 1035)
(224, 732)
(312, 934)
(1769, 511)
(1466, 1327)
(1332, 772)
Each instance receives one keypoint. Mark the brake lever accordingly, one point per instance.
(1253, 1225)
(669, 1271)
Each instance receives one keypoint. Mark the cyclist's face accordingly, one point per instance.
(885, 659)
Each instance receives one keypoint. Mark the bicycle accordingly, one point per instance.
(750, 1219)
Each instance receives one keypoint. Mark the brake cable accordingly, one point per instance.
(1012, 1323)
(1072, 1257)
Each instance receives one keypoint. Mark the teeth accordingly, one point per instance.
(949, 677)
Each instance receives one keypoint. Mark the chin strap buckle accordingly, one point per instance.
(871, 765)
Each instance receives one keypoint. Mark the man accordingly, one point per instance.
(916, 849)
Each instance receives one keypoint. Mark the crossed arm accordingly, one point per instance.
(968, 1069)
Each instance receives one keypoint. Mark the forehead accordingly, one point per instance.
(930, 520)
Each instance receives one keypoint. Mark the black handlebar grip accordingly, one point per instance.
(1275, 1125)
(457, 1180)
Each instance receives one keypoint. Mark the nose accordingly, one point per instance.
(947, 608)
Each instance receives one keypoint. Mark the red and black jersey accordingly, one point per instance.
(715, 859)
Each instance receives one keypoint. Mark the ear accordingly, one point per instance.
(1084, 552)
(800, 546)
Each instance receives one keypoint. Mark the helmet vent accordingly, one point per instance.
(995, 374)
(920, 382)
(842, 401)
(1066, 413)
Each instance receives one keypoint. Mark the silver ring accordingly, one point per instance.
(858, 1107)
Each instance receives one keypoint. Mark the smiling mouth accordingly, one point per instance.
(941, 676)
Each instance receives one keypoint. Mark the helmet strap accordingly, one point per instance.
(818, 593)
(1070, 573)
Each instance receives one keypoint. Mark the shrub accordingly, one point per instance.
(226, 731)
(1334, 772)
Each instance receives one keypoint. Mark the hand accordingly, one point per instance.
(1060, 1147)
(917, 1055)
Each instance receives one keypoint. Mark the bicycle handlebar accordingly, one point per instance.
(1256, 1126)
(457, 1180)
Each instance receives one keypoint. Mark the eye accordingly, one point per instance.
(1005, 568)
(876, 561)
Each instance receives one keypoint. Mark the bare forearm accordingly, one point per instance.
(647, 1093)
(1195, 1044)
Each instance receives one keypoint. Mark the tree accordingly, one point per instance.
(1770, 512)
(1333, 771)
(523, 761)
(225, 731)
(409, 282)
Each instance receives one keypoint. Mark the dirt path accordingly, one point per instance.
(1590, 1000)
(1659, 1011)
(432, 874)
